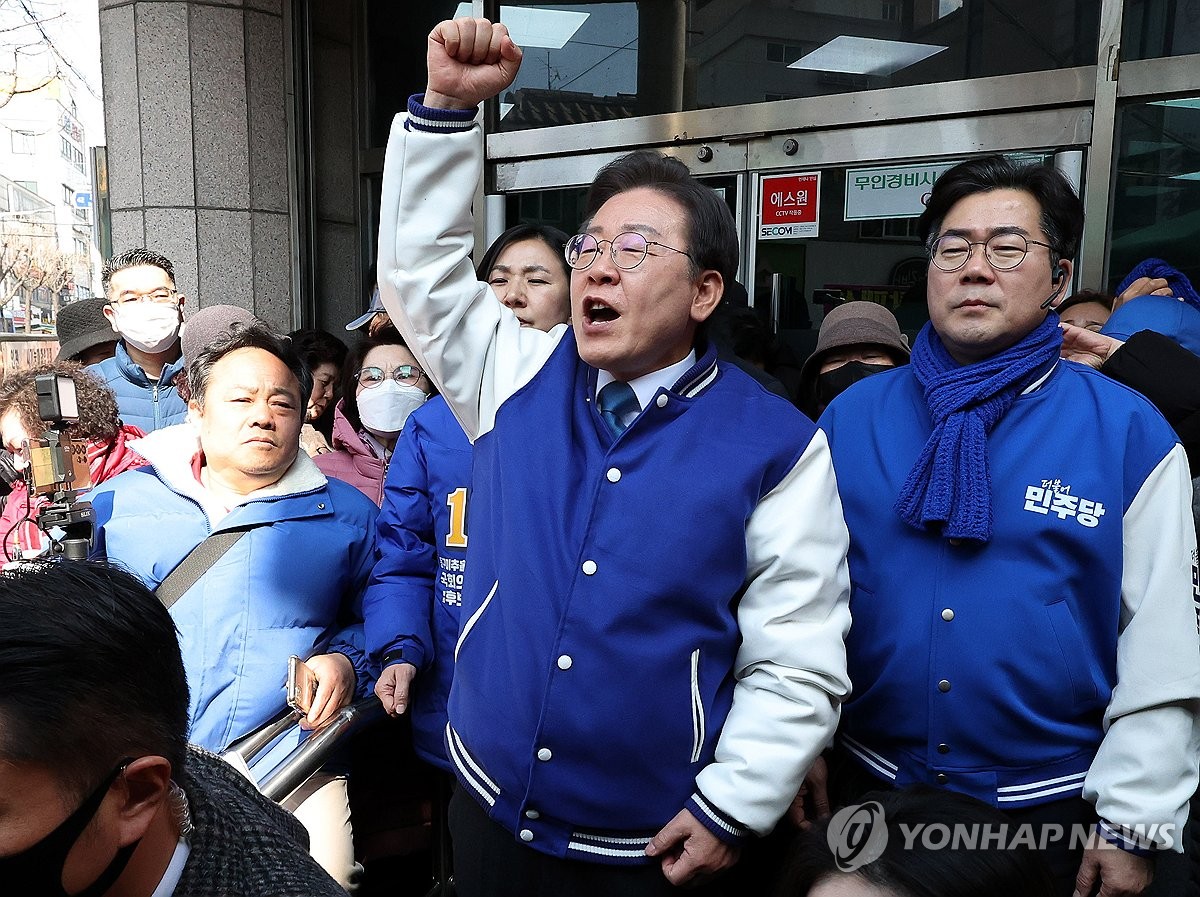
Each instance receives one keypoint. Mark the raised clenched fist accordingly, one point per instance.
(469, 60)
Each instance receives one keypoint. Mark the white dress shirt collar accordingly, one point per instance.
(647, 385)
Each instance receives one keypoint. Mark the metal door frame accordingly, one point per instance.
(1067, 109)
(749, 158)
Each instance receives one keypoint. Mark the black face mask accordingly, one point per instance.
(833, 383)
(39, 869)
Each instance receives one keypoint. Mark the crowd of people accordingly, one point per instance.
(652, 624)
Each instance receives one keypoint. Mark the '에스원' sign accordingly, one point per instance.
(789, 206)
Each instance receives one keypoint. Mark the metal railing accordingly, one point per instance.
(308, 756)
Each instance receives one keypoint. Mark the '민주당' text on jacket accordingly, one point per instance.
(1061, 658)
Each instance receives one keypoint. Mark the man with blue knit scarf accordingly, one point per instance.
(1022, 556)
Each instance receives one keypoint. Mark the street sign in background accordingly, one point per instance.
(789, 206)
(83, 200)
(895, 191)
(19, 352)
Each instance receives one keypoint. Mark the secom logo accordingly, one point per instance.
(857, 835)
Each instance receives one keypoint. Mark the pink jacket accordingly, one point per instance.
(352, 460)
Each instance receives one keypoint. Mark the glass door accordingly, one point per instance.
(825, 236)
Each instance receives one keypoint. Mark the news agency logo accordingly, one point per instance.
(857, 835)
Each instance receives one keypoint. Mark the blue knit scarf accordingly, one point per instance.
(951, 483)
(1181, 287)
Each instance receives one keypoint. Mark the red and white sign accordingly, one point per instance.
(789, 206)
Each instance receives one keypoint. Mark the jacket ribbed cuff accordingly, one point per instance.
(724, 827)
(1126, 838)
(422, 118)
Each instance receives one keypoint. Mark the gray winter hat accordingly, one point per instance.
(80, 326)
(855, 323)
(203, 327)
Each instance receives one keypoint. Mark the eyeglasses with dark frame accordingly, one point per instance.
(404, 374)
(160, 296)
(1004, 251)
(628, 250)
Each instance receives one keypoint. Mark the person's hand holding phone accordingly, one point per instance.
(335, 688)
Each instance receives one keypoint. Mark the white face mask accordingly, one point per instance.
(149, 326)
(385, 408)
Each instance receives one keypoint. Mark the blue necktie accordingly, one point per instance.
(617, 401)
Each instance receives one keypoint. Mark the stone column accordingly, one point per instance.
(195, 106)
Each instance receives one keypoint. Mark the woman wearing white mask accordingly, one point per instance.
(382, 386)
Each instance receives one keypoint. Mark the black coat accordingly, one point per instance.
(243, 845)
(1169, 376)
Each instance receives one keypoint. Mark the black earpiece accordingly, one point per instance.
(1056, 281)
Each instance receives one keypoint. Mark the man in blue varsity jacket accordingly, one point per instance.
(1022, 554)
(652, 649)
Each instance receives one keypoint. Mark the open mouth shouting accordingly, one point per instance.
(596, 312)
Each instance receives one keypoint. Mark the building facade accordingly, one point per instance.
(246, 138)
(46, 226)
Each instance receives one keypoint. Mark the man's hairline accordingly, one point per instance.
(653, 188)
(113, 274)
(212, 366)
(1042, 213)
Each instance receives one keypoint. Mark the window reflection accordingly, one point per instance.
(1156, 206)
(581, 64)
(597, 61)
(1155, 28)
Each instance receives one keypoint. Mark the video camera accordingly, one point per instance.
(58, 468)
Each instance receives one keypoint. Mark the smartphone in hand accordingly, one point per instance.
(301, 685)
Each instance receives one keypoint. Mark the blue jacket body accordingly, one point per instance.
(412, 604)
(594, 554)
(291, 585)
(142, 402)
(1038, 666)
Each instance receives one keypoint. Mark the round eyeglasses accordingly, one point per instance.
(628, 250)
(404, 374)
(1003, 251)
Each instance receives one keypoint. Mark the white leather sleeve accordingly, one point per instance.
(1146, 768)
(791, 668)
(471, 346)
